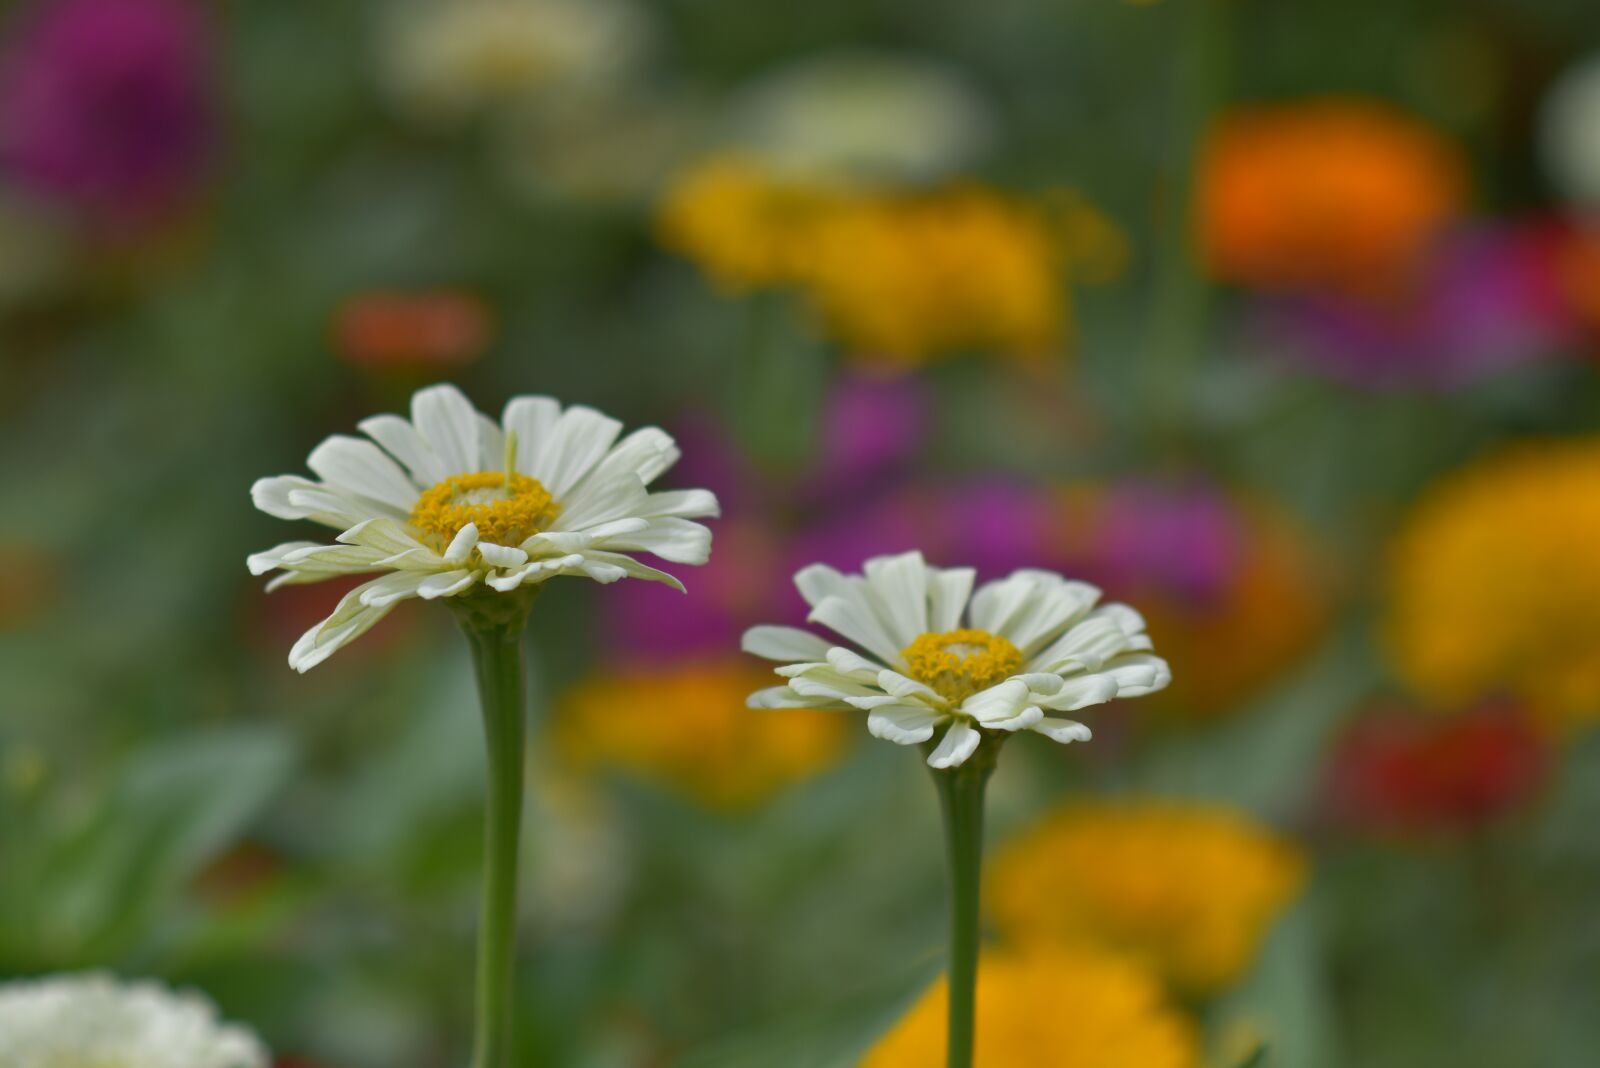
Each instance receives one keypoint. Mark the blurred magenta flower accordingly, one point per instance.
(1184, 538)
(1401, 769)
(1485, 300)
(107, 106)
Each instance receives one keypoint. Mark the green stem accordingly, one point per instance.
(1180, 293)
(961, 798)
(497, 659)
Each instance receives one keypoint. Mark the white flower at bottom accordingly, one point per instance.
(94, 1021)
(1005, 658)
(455, 503)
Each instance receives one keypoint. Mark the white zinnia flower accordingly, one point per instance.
(445, 59)
(863, 115)
(1570, 133)
(94, 1021)
(1032, 644)
(455, 503)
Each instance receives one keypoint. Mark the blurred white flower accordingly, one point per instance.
(1570, 133)
(444, 59)
(454, 502)
(862, 115)
(1032, 643)
(95, 1021)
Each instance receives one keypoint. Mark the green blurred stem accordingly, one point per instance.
(497, 659)
(961, 792)
(1180, 294)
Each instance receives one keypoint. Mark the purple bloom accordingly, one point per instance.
(1488, 300)
(1183, 539)
(873, 427)
(106, 105)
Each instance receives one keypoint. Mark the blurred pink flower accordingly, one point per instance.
(1486, 300)
(1183, 539)
(106, 105)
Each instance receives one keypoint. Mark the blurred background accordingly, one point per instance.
(1278, 321)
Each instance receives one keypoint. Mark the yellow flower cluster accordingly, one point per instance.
(1190, 888)
(896, 275)
(1078, 1010)
(1495, 584)
(687, 728)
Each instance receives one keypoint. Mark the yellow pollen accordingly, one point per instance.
(505, 514)
(959, 663)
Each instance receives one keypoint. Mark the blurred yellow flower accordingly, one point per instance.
(688, 728)
(745, 225)
(1495, 584)
(1191, 888)
(1338, 191)
(895, 274)
(912, 276)
(1078, 1010)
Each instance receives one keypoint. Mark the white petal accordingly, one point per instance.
(1081, 691)
(904, 724)
(350, 619)
(1024, 719)
(597, 502)
(402, 441)
(501, 555)
(958, 743)
(361, 469)
(783, 643)
(1031, 608)
(1137, 674)
(292, 497)
(531, 419)
(445, 584)
(680, 540)
(391, 588)
(899, 585)
(856, 622)
(686, 504)
(999, 702)
(574, 445)
(268, 559)
(449, 424)
(646, 452)
(462, 544)
(1062, 730)
(818, 581)
(903, 687)
(949, 589)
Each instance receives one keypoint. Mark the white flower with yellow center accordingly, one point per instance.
(939, 656)
(450, 503)
(94, 1021)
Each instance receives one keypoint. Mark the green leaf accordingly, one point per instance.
(1258, 1059)
(174, 808)
(832, 1036)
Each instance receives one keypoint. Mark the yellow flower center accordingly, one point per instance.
(959, 663)
(505, 514)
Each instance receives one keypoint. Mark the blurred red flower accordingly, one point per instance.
(436, 328)
(1400, 769)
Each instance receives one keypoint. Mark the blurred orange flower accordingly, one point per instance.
(687, 727)
(1340, 192)
(1494, 584)
(1078, 1010)
(28, 579)
(414, 331)
(1191, 888)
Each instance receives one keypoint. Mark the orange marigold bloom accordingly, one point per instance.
(1338, 192)
(1191, 888)
(413, 330)
(1079, 1010)
(688, 728)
